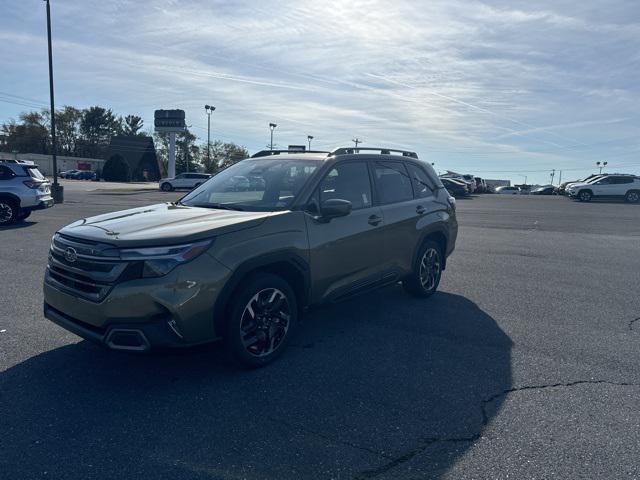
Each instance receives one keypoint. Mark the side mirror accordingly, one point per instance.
(334, 208)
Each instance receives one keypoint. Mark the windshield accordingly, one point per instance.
(263, 184)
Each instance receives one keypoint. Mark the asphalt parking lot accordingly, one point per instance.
(525, 365)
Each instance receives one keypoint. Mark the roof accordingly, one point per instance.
(338, 152)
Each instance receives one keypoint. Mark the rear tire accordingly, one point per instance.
(585, 195)
(9, 211)
(427, 271)
(166, 187)
(262, 317)
(632, 196)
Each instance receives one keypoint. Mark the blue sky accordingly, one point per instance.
(497, 88)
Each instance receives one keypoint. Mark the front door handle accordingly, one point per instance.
(420, 210)
(375, 220)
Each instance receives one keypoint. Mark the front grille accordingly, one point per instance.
(90, 272)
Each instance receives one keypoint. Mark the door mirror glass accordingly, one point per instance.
(335, 207)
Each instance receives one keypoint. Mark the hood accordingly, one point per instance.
(578, 185)
(162, 224)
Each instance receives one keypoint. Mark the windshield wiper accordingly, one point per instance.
(219, 206)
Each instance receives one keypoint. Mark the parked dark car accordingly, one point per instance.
(242, 266)
(456, 188)
(83, 175)
(544, 191)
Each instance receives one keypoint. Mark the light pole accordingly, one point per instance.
(57, 191)
(309, 138)
(525, 178)
(209, 109)
(601, 165)
(272, 126)
(356, 141)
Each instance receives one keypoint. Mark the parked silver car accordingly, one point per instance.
(22, 189)
(183, 180)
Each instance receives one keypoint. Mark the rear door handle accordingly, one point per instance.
(375, 220)
(420, 210)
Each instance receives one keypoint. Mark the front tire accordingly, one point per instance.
(262, 317)
(9, 211)
(427, 271)
(585, 196)
(632, 197)
(166, 187)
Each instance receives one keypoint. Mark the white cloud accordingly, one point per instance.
(475, 85)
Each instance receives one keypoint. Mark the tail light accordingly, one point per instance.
(33, 183)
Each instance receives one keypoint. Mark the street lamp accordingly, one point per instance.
(356, 141)
(209, 109)
(57, 191)
(525, 178)
(601, 165)
(272, 126)
(309, 138)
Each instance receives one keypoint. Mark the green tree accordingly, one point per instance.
(31, 135)
(223, 154)
(68, 129)
(132, 125)
(97, 126)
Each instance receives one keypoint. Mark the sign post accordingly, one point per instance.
(171, 122)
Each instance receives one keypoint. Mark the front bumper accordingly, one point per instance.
(171, 311)
(132, 337)
(41, 205)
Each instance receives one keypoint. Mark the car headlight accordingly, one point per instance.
(158, 261)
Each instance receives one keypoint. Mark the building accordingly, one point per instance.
(498, 183)
(138, 153)
(45, 162)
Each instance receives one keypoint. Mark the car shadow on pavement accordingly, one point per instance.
(17, 225)
(368, 388)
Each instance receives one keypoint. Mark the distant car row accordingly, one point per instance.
(79, 175)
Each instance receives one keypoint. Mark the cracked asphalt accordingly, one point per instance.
(525, 365)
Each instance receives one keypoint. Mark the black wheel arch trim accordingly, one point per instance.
(262, 262)
(436, 229)
(10, 196)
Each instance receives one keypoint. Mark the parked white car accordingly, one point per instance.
(23, 189)
(607, 186)
(183, 180)
(508, 191)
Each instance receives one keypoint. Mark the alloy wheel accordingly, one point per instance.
(6, 212)
(265, 322)
(633, 197)
(430, 269)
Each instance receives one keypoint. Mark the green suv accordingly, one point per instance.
(241, 265)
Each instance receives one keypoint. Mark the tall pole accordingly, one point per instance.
(309, 138)
(272, 126)
(209, 109)
(560, 178)
(171, 167)
(57, 191)
(356, 141)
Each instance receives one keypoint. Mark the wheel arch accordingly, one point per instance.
(10, 196)
(288, 265)
(440, 236)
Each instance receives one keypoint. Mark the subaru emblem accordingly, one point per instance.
(70, 254)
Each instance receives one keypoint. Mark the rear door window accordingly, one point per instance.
(393, 183)
(421, 185)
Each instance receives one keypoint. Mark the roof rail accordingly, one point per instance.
(267, 153)
(382, 150)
